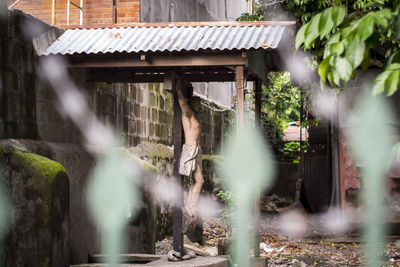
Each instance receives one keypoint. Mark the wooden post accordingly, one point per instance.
(178, 141)
(257, 95)
(239, 96)
(170, 80)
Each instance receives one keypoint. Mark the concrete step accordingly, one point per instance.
(159, 260)
(126, 258)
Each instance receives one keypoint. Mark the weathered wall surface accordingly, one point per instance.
(39, 190)
(191, 10)
(18, 79)
(143, 112)
(350, 176)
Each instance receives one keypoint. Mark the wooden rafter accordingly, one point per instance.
(158, 60)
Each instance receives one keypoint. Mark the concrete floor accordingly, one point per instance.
(199, 261)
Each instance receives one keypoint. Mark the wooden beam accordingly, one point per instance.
(185, 24)
(131, 77)
(157, 60)
(239, 96)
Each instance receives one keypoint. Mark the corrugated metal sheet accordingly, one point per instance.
(166, 39)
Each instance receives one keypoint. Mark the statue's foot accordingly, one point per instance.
(174, 256)
(189, 254)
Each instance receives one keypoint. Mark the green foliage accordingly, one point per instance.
(388, 80)
(227, 212)
(248, 17)
(349, 36)
(292, 150)
(280, 105)
(225, 196)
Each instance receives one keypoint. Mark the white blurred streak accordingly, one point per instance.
(167, 191)
(335, 221)
(97, 134)
(74, 104)
(325, 104)
(293, 224)
(298, 68)
(208, 208)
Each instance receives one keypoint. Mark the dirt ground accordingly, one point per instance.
(318, 250)
(281, 251)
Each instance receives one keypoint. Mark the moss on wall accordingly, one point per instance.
(217, 159)
(159, 151)
(39, 166)
(44, 172)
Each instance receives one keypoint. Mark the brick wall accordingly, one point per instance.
(95, 11)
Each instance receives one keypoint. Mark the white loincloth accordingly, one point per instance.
(188, 160)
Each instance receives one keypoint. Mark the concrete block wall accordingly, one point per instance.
(94, 12)
(143, 112)
(18, 79)
(138, 112)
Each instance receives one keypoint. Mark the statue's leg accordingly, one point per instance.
(194, 192)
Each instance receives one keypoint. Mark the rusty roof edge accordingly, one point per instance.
(184, 24)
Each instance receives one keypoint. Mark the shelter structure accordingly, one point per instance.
(189, 51)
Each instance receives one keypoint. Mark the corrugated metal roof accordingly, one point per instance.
(167, 39)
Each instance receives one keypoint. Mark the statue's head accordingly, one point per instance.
(195, 103)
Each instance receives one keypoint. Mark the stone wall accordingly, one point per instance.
(143, 112)
(39, 190)
(137, 111)
(161, 157)
(18, 78)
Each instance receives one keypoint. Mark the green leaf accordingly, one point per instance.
(355, 52)
(359, 55)
(311, 32)
(393, 58)
(336, 78)
(330, 78)
(343, 68)
(338, 14)
(381, 17)
(334, 38)
(366, 61)
(327, 51)
(392, 82)
(379, 83)
(348, 32)
(300, 37)
(323, 68)
(394, 66)
(326, 23)
(366, 27)
(337, 49)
